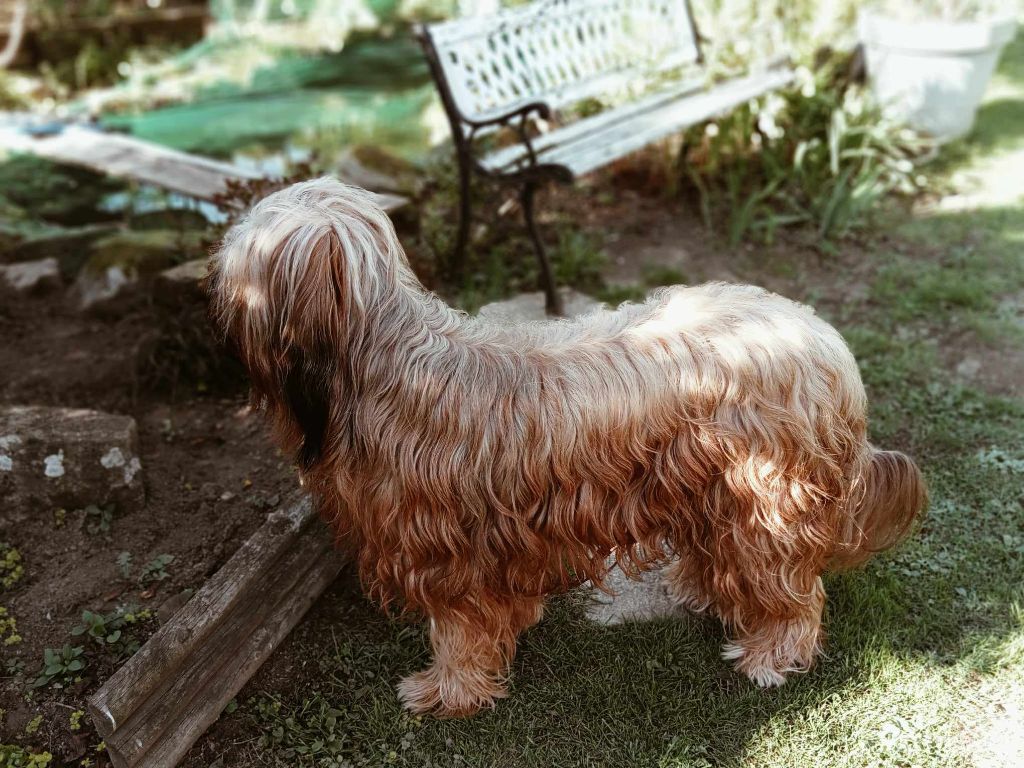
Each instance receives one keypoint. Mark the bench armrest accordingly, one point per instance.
(542, 109)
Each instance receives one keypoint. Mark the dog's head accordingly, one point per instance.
(290, 287)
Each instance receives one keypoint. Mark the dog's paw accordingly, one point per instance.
(444, 693)
(759, 667)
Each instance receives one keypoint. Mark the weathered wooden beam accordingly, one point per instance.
(127, 157)
(153, 708)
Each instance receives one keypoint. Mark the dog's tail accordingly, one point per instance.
(891, 497)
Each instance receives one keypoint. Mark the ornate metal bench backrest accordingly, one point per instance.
(554, 51)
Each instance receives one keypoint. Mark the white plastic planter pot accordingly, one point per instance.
(932, 74)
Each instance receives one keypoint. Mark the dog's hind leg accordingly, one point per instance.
(774, 635)
(473, 645)
(769, 550)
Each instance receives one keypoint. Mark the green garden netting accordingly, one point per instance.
(241, 88)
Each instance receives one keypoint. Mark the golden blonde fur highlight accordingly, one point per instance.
(474, 468)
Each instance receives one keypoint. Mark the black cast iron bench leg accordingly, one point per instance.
(457, 262)
(552, 299)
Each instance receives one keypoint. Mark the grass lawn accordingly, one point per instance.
(925, 657)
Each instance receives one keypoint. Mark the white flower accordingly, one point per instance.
(766, 119)
(711, 130)
(766, 124)
(853, 104)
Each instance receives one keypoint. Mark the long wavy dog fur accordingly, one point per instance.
(474, 468)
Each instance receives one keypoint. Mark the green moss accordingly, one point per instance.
(144, 252)
(60, 194)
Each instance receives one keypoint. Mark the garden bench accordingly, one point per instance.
(515, 68)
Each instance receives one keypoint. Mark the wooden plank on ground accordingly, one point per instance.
(128, 157)
(153, 708)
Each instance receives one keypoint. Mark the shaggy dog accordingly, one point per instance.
(474, 468)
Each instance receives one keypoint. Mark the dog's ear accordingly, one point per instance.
(307, 390)
(278, 294)
(315, 346)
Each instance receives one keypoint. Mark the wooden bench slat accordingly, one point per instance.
(507, 157)
(587, 144)
(599, 149)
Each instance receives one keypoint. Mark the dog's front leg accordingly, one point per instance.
(473, 644)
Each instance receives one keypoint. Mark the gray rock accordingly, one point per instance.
(66, 457)
(528, 307)
(102, 288)
(632, 600)
(969, 368)
(120, 263)
(172, 605)
(352, 171)
(69, 246)
(32, 276)
(181, 285)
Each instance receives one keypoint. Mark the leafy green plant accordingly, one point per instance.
(11, 568)
(14, 756)
(156, 569)
(819, 153)
(61, 666)
(55, 193)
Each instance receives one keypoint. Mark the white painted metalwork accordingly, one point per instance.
(560, 51)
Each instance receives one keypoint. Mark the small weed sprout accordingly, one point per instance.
(98, 520)
(11, 568)
(8, 628)
(124, 565)
(155, 569)
(111, 631)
